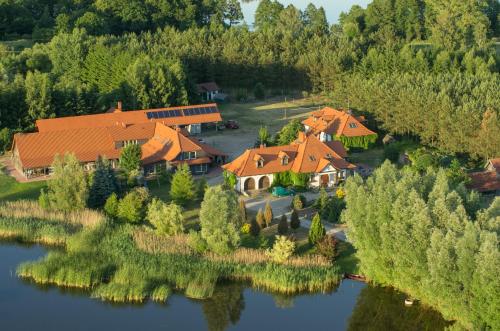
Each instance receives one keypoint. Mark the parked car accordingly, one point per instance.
(280, 191)
(232, 124)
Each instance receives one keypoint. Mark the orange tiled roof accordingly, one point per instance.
(38, 149)
(336, 123)
(485, 181)
(307, 155)
(125, 118)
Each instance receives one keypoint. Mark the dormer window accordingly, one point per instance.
(284, 158)
(259, 161)
(312, 158)
(353, 125)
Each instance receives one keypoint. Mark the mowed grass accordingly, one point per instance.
(272, 113)
(11, 190)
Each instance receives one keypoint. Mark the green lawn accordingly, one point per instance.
(272, 113)
(372, 157)
(10, 189)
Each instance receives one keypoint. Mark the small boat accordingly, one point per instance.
(359, 278)
(408, 302)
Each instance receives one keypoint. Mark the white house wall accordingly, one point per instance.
(240, 183)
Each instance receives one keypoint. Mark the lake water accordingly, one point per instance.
(353, 306)
(333, 8)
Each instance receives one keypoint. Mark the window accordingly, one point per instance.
(353, 125)
(284, 160)
(188, 155)
(312, 158)
(260, 163)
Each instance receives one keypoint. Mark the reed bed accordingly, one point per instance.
(149, 242)
(22, 209)
(36, 231)
(112, 263)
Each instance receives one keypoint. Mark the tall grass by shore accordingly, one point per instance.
(149, 242)
(28, 209)
(36, 231)
(108, 261)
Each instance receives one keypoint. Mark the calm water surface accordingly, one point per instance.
(353, 306)
(333, 8)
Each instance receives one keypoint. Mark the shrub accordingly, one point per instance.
(196, 242)
(260, 219)
(282, 250)
(166, 218)
(333, 209)
(220, 220)
(317, 231)
(340, 193)
(283, 225)
(298, 202)
(322, 200)
(391, 152)
(182, 189)
(254, 227)
(294, 220)
(268, 214)
(111, 206)
(327, 247)
(131, 208)
(245, 229)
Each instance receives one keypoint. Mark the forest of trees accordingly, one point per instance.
(424, 68)
(426, 236)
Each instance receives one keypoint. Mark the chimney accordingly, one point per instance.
(262, 146)
(119, 106)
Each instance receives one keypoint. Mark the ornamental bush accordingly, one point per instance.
(317, 230)
(268, 214)
(283, 225)
(132, 208)
(183, 187)
(282, 250)
(294, 220)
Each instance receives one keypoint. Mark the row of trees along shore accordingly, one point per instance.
(427, 236)
(425, 68)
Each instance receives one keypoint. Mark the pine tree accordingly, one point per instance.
(103, 183)
(243, 211)
(317, 230)
(260, 219)
(268, 214)
(283, 225)
(254, 227)
(183, 188)
(294, 220)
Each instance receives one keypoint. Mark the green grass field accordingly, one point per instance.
(272, 113)
(11, 190)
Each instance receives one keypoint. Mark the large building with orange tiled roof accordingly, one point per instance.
(324, 162)
(330, 124)
(163, 135)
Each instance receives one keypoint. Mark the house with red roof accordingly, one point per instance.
(487, 181)
(207, 91)
(163, 135)
(330, 124)
(322, 161)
